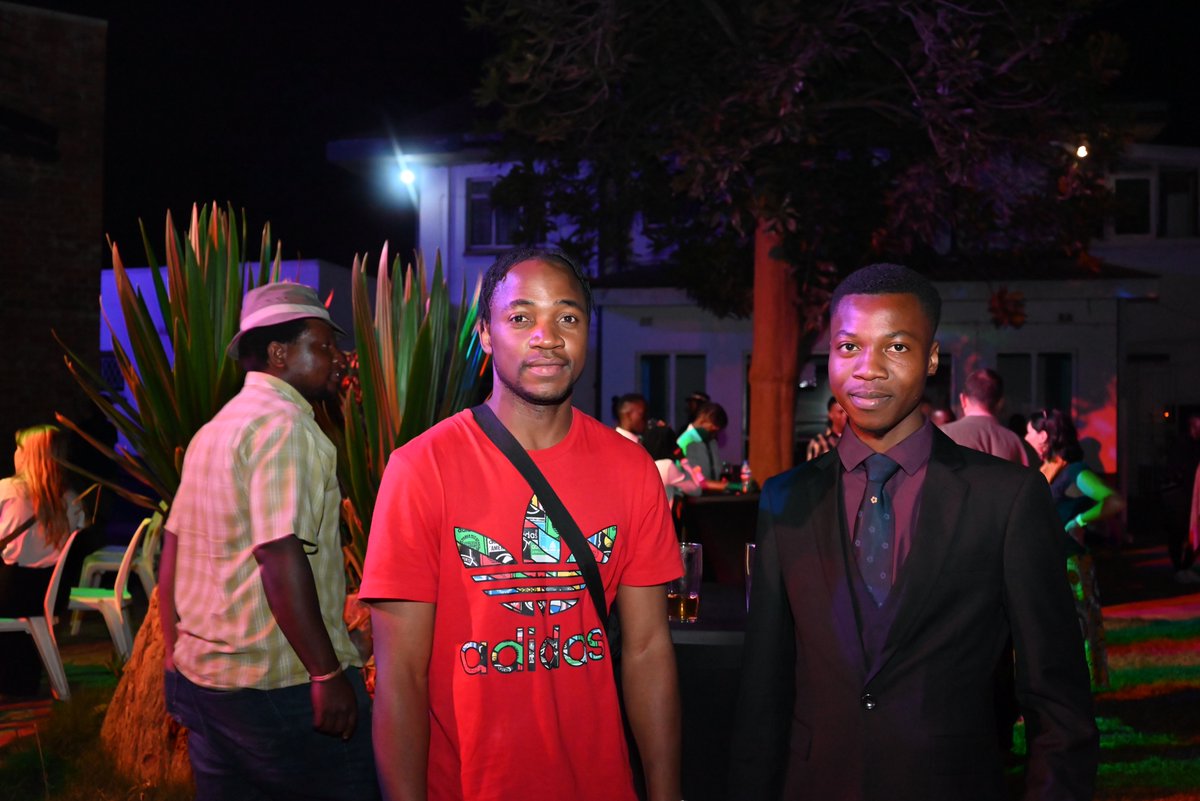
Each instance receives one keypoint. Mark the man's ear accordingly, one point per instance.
(931, 369)
(485, 336)
(277, 355)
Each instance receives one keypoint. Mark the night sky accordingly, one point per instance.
(235, 102)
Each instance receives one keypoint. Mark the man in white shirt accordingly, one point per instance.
(630, 412)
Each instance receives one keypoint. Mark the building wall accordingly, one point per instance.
(442, 225)
(1080, 319)
(1097, 324)
(1159, 355)
(52, 81)
(637, 322)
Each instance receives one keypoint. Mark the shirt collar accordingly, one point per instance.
(911, 454)
(629, 435)
(280, 387)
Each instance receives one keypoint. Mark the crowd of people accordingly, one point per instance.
(513, 541)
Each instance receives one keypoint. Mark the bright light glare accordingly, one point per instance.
(1082, 151)
(407, 176)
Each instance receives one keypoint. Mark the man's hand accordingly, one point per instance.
(335, 707)
(287, 581)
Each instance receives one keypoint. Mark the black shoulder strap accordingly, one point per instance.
(566, 526)
(19, 530)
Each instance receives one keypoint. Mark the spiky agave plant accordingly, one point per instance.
(419, 361)
(200, 300)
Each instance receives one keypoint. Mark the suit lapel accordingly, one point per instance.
(942, 499)
(827, 527)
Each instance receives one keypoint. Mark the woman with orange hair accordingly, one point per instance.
(37, 514)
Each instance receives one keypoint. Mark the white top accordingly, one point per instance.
(675, 479)
(31, 548)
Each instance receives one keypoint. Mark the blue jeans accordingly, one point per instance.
(260, 744)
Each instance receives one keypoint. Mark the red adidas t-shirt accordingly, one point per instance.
(521, 693)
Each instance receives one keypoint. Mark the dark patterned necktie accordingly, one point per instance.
(876, 529)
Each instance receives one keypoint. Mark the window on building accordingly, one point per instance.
(1017, 371)
(487, 225)
(1055, 381)
(1131, 214)
(666, 381)
(1037, 381)
(1177, 206)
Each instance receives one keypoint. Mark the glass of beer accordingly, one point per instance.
(683, 594)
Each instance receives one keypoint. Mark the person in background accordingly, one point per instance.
(259, 664)
(942, 416)
(693, 402)
(888, 574)
(495, 675)
(1190, 574)
(38, 512)
(827, 440)
(660, 442)
(1081, 498)
(981, 400)
(698, 445)
(629, 410)
(1180, 502)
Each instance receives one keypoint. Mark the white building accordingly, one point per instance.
(1118, 347)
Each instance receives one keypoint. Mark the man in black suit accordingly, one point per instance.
(882, 600)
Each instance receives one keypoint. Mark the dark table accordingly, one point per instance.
(709, 656)
(723, 524)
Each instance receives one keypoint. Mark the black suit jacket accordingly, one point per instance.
(819, 719)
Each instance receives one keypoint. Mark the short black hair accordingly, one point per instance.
(985, 387)
(620, 400)
(252, 347)
(501, 266)
(714, 412)
(890, 279)
(660, 442)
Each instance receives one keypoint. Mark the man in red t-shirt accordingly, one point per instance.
(495, 677)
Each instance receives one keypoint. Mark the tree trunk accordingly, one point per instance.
(773, 361)
(145, 744)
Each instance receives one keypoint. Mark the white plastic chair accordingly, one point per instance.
(108, 560)
(41, 628)
(112, 603)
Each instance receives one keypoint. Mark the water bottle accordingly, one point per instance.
(746, 476)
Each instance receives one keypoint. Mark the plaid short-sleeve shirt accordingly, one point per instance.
(260, 470)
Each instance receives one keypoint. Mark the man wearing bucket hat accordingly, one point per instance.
(259, 665)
